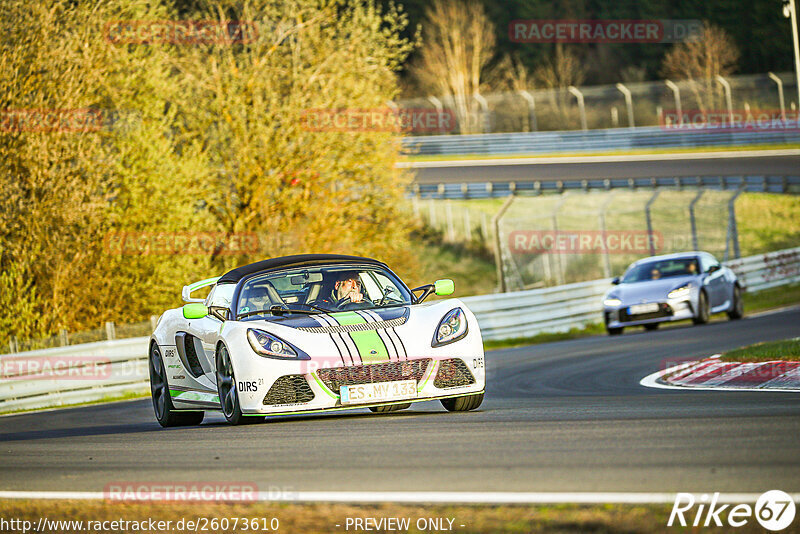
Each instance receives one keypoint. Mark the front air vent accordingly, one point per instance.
(289, 389)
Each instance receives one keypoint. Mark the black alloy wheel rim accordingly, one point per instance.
(225, 383)
(158, 383)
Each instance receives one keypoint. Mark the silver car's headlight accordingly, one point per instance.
(267, 345)
(612, 301)
(452, 327)
(680, 292)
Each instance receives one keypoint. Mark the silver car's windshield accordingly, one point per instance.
(655, 270)
(328, 288)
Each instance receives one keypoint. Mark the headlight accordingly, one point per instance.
(266, 344)
(680, 292)
(612, 301)
(452, 327)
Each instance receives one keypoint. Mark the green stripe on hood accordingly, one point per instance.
(369, 344)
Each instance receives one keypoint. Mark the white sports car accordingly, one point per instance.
(310, 333)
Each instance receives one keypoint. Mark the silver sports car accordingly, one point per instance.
(673, 287)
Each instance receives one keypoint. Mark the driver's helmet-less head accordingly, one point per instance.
(345, 281)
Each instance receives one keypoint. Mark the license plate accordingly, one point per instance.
(636, 309)
(378, 392)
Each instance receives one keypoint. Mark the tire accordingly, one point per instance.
(737, 308)
(651, 326)
(165, 411)
(389, 408)
(462, 404)
(614, 331)
(702, 309)
(226, 389)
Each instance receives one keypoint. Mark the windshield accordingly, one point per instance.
(655, 270)
(331, 288)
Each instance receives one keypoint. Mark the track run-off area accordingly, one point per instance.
(559, 417)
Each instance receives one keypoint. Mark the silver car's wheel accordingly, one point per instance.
(701, 317)
(737, 307)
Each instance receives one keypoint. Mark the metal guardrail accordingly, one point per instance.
(755, 184)
(120, 366)
(593, 140)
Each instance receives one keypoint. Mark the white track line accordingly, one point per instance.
(433, 497)
(549, 160)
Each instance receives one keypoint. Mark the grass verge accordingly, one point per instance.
(312, 518)
(769, 299)
(108, 398)
(787, 349)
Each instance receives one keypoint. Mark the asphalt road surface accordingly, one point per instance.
(568, 416)
(688, 165)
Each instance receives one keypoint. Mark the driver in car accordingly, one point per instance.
(348, 285)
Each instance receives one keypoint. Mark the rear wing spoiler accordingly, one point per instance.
(186, 292)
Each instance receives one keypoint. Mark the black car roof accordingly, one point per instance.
(298, 260)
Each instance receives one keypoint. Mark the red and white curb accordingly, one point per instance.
(714, 374)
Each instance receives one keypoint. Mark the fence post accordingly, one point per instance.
(431, 214)
(554, 216)
(778, 81)
(13, 344)
(650, 222)
(628, 103)
(677, 94)
(733, 232)
(153, 321)
(63, 337)
(581, 107)
(467, 226)
(607, 257)
(498, 249)
(451, 229)
(728, 99)
(110, 331)
(693, 221)
(487, 127)
(614, 116)
(532, 123)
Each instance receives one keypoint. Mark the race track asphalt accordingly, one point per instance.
(599, 170)
(567, 416)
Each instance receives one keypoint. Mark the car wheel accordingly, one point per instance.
(737, 308)
(165, 411)
(702, 309)
(463, 404)
(226, 389)
(614, 331)
(651, 326)
(389, 408)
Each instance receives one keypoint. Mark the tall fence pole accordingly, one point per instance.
(728, 98)
(733, 232)
(581, 106)
(693, 221)
(498, 246)
(628, 103)
(554, 217)
(487, 127)
(677, 94)
(650, 222)
(606, 255)
(532, 123)
(781, 101)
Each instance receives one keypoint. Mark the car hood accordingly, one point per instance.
(649, 289)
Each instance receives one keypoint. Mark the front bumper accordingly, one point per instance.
(668, 310)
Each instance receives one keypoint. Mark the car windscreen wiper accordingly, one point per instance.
(277, 310)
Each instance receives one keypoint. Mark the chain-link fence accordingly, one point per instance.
(659, 103)
(550, 240)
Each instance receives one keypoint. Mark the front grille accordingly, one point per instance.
(289, 389)
(377, 325)
(453, 373)
(376, 372)
(664, 311)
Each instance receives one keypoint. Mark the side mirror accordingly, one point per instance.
(615, 281)
(444, 287)
(714, 268)
(194, 310)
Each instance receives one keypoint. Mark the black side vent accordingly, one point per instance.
(188, 353)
